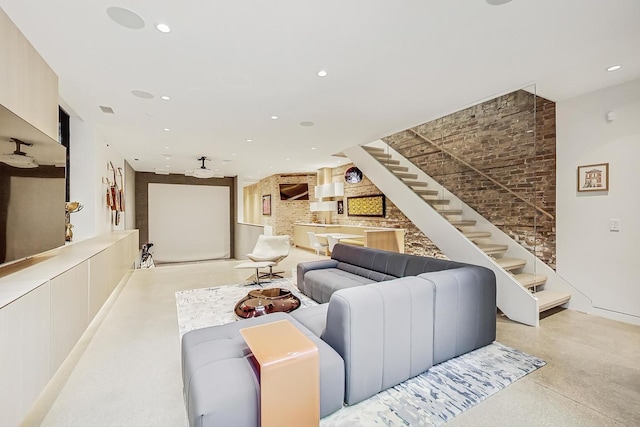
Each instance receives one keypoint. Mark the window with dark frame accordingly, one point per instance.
(64, 139)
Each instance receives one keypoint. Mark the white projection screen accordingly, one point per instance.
(189, 222)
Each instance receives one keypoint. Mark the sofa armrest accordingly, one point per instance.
(384, 333)
(303, 267)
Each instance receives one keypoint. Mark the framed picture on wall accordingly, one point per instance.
(266, 204)
(593, 177)
(340, 207)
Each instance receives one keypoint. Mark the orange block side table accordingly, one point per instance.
(289, 372)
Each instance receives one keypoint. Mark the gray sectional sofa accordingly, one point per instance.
(352, 266)
(370, 336)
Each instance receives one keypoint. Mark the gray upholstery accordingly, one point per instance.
(220, 386)
(465, 310)
(384, 333)
(375, 332)
(313, 318)
(351, 266)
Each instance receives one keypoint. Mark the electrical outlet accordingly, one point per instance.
(614, 224)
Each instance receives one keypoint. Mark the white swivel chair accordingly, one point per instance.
(271, 248)
(332, 242)
(315, 243)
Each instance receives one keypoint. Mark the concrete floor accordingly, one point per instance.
(125, 371)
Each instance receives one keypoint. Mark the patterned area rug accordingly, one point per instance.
(430, 399)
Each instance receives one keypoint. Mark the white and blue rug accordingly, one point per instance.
(430, 399)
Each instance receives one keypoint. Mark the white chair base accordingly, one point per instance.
(257, 266)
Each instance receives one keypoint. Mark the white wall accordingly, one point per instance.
(600, 263)
(89, 154)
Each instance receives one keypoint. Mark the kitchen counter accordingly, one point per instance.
(390, 239)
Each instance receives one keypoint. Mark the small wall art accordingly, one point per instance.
(593, 177)
(366, 205)
(266, 204)
(340, 207)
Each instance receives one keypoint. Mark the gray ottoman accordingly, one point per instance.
(220, 386)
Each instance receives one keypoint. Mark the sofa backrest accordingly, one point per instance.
(465, 310)
(388, 265)
(384, 333)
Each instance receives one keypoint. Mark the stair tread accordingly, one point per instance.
(492, 248)
(511, 263)
(373, 149)
(404, 175)
(446, 212)
(464, 223)
(548, 299)
(476, 234)
(426, 192)
(438, 201)
(416, 183)
(395, 168)
(529, 280)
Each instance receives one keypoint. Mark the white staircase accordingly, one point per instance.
(524, 288)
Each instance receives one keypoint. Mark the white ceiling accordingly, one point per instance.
(230, 65)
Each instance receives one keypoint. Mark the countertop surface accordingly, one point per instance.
(311, 224)
(20, 278)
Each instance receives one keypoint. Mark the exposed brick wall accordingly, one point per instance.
(283, 212)
(496, 138)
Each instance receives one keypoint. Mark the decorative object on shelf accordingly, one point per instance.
(340, 207)
(69, 208)
(266, 204)
(366, 205)
(593, 177)
(353, 175)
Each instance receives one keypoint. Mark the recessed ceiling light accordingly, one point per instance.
(497, 2)
(106, 110)
(166, 129)
(166, 147)
(249, 140)
(142, 94)
(167, 158)
(125, 17)
(163, 28)
(287, 158)
(614, 68)
(136, 159)
(165, 97)
(313, 148)
(233, 154)
(322, 73)
(306, 124)
(167, 166)
(274, 117)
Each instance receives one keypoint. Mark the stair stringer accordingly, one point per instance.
(516, 302)
(579, 301)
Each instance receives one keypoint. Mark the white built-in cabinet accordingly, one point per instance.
(46, 307)
(28, 86)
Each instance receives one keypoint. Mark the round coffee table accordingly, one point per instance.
(264, 301)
